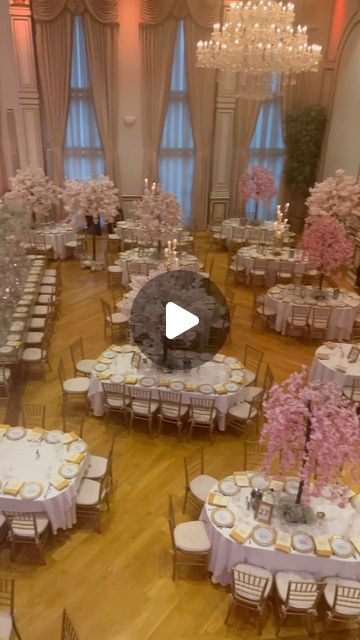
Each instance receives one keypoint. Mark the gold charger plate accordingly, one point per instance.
(222, 517)
(263, 535)
(31, 490)
(341, 546)
(303, 542)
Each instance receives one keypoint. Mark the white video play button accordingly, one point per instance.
(178, 320)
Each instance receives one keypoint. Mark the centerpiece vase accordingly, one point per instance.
(298, 513)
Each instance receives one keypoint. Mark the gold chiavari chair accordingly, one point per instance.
(82, 366)
(114, 321)
(142, 407)
(92, 497)
(342, 597)
(73, 387)
(98, 465)
(8, 624)
(250, 588)
(297, 594)
(171, 410)
(298, 319)
(252, 361)
(117, 400)
(254, 455)
(30, 529)
(68, 631)
(33, 415)
(202, 415)
(72, 422)
(197, 483)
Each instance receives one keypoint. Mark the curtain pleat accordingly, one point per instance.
(246, 113)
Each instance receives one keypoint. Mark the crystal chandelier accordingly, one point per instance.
(259, 40)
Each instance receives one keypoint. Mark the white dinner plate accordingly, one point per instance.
(15, 433)
(341, 546)
(31, 490)
(230, 360)
(127, 348)
(291, 486)
(69, 470)
(303, 542)
(206, 388)
(263, 535)
(228, 487)
(6, 349)
(223, 517)
(118, 378)
(177, 385)
(78, 446)
(100, 367)
(231, 386)
(258, 481)
(147, 381)
(109, 354)
(54, 437)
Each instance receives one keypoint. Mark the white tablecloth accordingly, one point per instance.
(325, 370)
(261, 233)
(19, 462)
(58, 236)
(247, 255)
(343, 310)
(208, 373)
(225, 552)
(142, 235)
(186, 261)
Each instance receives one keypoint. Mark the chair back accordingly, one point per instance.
(22, 525)
(347, 600)
(134, 268)
(68, 631)
(259, 264)
(33, 415)
(194, 464)
(268, 380)
(76, 351)
(114, 392)
(286, 267)
(4, 385)
(172, 399)
(320, 317)
(253, 358)
(300, 313)
(247, 586)
(355, 390)
(7, 589)
(254, 454)
(73, 421)
(205, 406)
(254, 236)
(238, 234)
(303, 595)
(172, 521)
(142, 395)
(106, 310)
(61, 372)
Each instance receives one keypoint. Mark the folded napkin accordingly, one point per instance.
(70, 437)
(283, 541)
(130, 379)
(330, 345)
(74, 457)
(322, 546)
(219, 388)
(218, 501)
(241, 479)
(323, 356)
(12, 488)
(163, 383)
(241, 533)
(190, 387)
(236, 367)
(219, 357)
(104, 360)
(102, 375)
(341, 368)
(59, 482)
(238, 379)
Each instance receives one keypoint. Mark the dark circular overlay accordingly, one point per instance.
(193, 292)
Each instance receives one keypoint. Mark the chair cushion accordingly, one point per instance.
(282, 580)
(96, 468)
(252, 392)
(76, 385)
(40, 310)
(250, 377)
(141, 407)
(114, 269)
(37, 323)
(298, 322)
(253, 570)
(242, 411)
(44, 298)
(192, 536)
(329, 593)
(172, 410)
(32, 354)
(258, 272)
(89, 493)
(6, 626)
(42, 521)
(72, 244)
(50, 272)
(203, 416)
(34, 337)
(113, 236)
(118, 318)
(48, 280)
(201, 485)
(85, 366)
(117, 402)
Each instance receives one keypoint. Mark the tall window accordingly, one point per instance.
(177, 150)
(83, 154)
(267, 148)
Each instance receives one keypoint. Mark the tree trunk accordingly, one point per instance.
(307, 438)
(94, 242)
(321, 280)
(256, 210)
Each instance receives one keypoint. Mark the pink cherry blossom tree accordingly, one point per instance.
(327, 244)
(158, 210)
(338, 196)
(315, 428)
(33, 192)
(258, 184)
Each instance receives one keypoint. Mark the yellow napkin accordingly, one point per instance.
(236, 367)
(74, 457)
(283, 541)
(322, 546)
(219, 388)
(130, 379)
(218, 501)
(241, 479)
(14, 343)
(4, 427)
(277, 485)
(104, 374)
(104, 360)
(13, 487)
(219, 357)
(190, 387)
(238, 379)
(163, 383)
(59, 482)
(70, 437)
(241, 533)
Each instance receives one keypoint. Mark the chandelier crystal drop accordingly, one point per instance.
(259, 40)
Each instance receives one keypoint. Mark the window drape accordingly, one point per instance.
(203, 12)
(102, 10)
(245, 117)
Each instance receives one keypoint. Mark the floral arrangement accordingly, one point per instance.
(158, 210)
(327, 245)
(315, 426)
(338, 196)
(258, 184)
(32, 191)
(94, 197)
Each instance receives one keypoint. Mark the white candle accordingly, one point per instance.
(146, 183)
(153, 187)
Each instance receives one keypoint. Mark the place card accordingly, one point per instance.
(130, 379)
(277, 485)
(322, 546)
(219, 388)
(283, 541)
(241, 533)
(218, 501)
(59, 482)
(241, 479)
(13, 487)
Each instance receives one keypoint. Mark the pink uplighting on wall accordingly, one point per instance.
(337, 26)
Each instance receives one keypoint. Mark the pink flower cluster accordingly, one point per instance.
(333, 440)
(338, 196)
(159, 211)
(33, 192)
(96, 197)
(326, 243)
(257, 183)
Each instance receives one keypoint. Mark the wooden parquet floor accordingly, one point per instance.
(117, 585)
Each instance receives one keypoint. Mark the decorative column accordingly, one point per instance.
(31, 147)
(223, 148)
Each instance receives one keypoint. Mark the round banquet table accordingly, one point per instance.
(264, 230)
(18, 462)
(344, 310)
(331, 365)
(142, 235)
(57, 235)
(226, 552)
(149, 258)
(246, 256)
(212, 373)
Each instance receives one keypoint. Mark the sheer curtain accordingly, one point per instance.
(83, 153)
(177, 149)
(267, 149)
